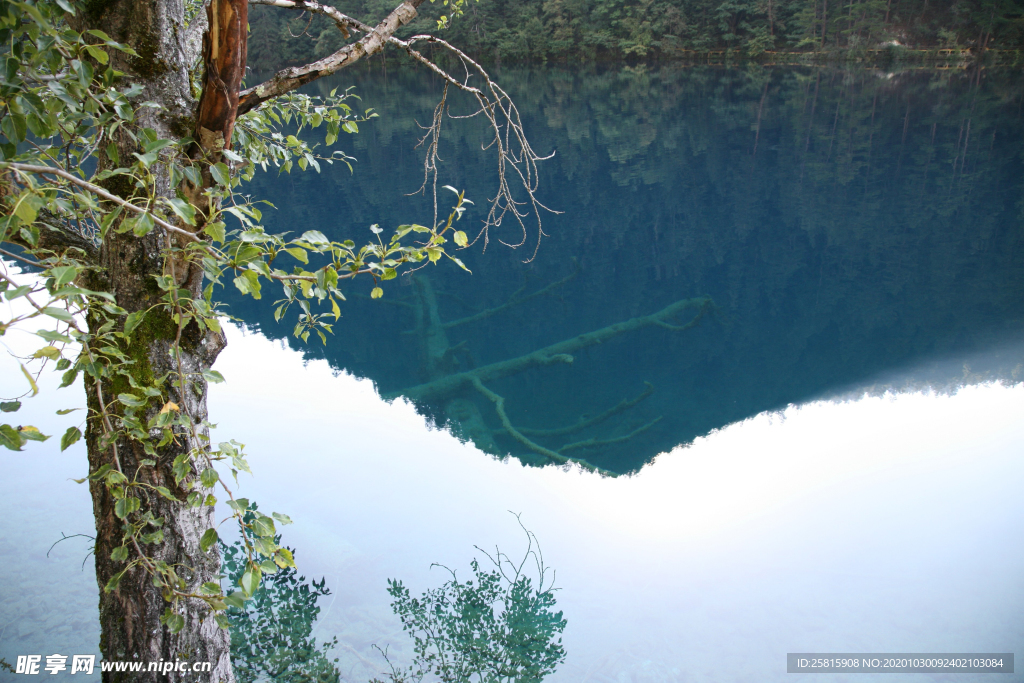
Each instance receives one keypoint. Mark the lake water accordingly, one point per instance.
(830, 460)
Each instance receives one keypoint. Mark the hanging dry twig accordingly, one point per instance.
(516, 158)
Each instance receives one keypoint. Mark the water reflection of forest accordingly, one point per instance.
(845, 224)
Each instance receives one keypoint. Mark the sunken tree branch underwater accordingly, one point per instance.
(452, 390)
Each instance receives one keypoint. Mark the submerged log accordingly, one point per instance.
(449, 386)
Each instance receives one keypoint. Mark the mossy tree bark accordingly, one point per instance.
(130, 614)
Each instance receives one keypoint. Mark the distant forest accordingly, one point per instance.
(590, 30)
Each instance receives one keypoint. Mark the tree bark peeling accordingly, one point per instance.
(224, 54)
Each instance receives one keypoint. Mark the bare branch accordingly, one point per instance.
(99, 192)
(515, 154)
(286, 80)
(516, 158)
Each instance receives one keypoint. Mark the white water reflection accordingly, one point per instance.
(888, 523)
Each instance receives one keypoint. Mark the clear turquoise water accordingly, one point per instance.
(837, 465)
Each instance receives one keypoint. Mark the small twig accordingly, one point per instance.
(585, 422)
(19, 258)
(514, 300)
(590, 443)
(65, 537)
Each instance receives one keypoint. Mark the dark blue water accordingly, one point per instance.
(847, 226)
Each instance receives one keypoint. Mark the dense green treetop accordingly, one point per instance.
(574, 30)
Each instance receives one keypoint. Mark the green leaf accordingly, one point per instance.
(67, 411)
(10, 438)
(314, 237)
(52, 336)
(98, 54)
(221, 173)
(146, 160)
(58, 313)
(164, 491)
(376, 293)
(249, 283)
(173, 622)
(131, 400)
(63, 275)
(210, 588)
(284, 558)
(282, 518)
(460, 238)
(114, 581)
(133, 320)
(264, 526)
(71, 436)
(236, 600)
(213, 376)
(120, 554)
(32, 434)
(143, 225)
(208, 540)
(125, 506)
(10, 406)
(15, 126)
(185, 211)
(30, 378)
(157, 145)
(51, 352)
(155, 537)
(216, 231)
(248, 583)
(209, 477)
(124, 110)
(13, 294)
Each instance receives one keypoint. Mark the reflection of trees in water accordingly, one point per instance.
(575, 30)
(845, 223)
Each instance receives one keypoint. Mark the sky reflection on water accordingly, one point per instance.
(886, 523)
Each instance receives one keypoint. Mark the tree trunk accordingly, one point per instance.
(824, 20)
(130, 614)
